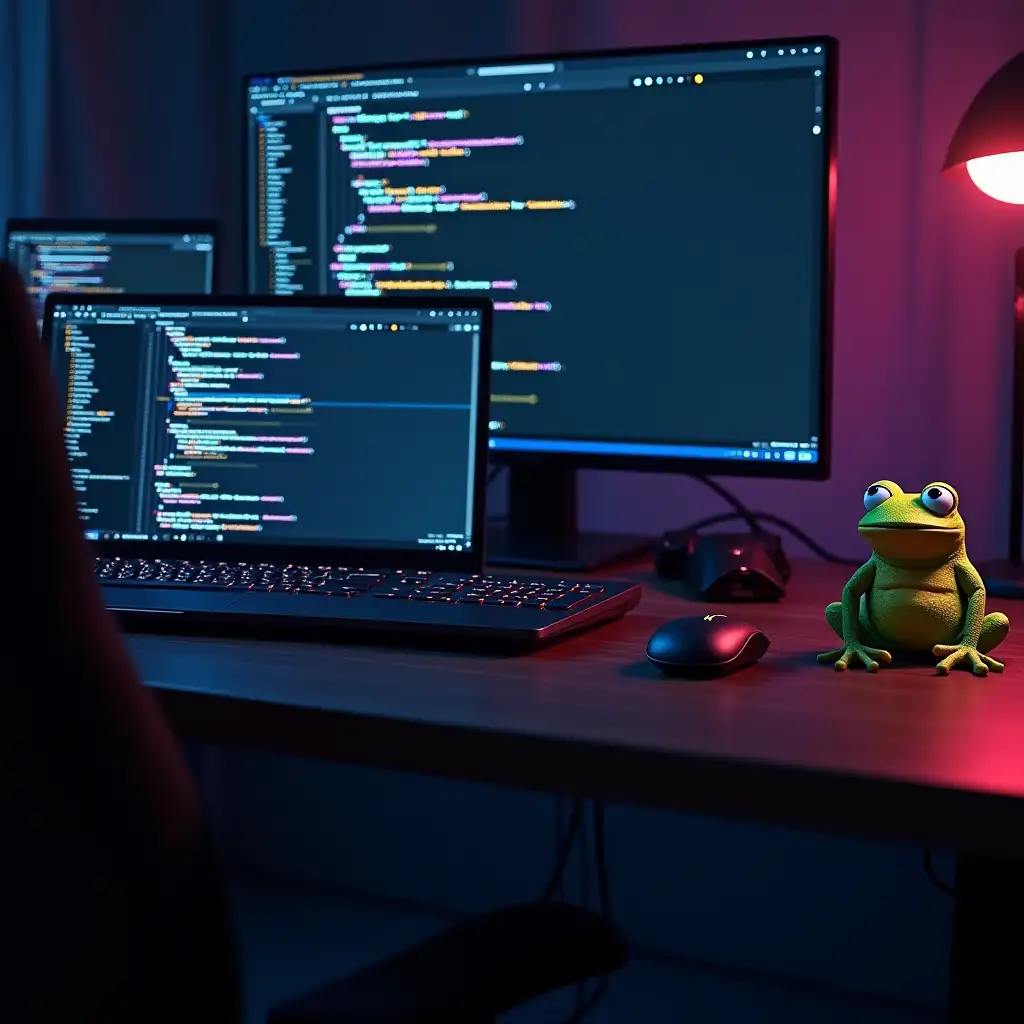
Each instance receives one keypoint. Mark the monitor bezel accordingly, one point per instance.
(309, 554)
(819, 470)
(124, 226)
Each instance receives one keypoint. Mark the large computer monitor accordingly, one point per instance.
(112, 257)
(653, 226)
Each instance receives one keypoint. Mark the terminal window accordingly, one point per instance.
(651, 229)
(312, 426)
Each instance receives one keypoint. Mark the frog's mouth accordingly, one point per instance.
(918, 527)
(913, 541)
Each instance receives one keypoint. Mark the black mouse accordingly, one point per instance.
(704, 646)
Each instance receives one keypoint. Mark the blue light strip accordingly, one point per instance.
(666, 451)
(445, 407)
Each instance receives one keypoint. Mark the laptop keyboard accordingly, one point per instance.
(342, 582)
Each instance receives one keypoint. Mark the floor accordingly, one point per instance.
(293, 938)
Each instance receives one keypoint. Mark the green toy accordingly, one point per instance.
(918, 592)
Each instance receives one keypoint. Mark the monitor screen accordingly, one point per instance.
(318, 423)
(112, 258)
(653, 228)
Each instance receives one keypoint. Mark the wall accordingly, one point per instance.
(922, 322)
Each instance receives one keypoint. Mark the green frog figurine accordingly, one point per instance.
(918, 592)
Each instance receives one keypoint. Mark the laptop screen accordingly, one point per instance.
(272, 421)
(112, 258)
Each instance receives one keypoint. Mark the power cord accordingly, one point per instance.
(933, 876)
(584, 868)
(783, 524)
(564, 843)
(604, 897)
(561, 814)
(586, 1004)
(739, 510)
(569, 828)
(754, 521)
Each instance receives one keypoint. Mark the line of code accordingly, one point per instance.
(372, 207)
(112, 265)
(374, 142)
(71, 267)
(355, 270)
(214, 421)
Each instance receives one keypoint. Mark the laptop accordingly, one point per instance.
(296, 462)
(111, 256)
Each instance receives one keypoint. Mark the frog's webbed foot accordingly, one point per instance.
(856, 654)
(963, 654)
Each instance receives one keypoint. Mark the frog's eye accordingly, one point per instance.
(875, 495)
(939, 500)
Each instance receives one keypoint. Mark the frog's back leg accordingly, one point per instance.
(868, 636)
(834, 617)
(994, 628)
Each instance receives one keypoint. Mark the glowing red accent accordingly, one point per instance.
(1000, 176)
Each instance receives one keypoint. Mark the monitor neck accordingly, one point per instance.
(542, 529)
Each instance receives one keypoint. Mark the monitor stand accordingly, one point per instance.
(541, 531)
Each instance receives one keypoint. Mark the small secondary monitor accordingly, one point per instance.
(653, 227)
(308, 426)
(112, 257)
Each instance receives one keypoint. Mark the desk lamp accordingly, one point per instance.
(990, 141)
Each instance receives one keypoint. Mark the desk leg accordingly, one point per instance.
(986, 970)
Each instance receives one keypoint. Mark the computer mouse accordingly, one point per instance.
(701, 646)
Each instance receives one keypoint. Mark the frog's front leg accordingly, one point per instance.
(834, 617)
(981, 632)
(848, 618)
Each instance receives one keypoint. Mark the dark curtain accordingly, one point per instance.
(24, 71)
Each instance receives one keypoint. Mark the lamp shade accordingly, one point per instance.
(990, 136)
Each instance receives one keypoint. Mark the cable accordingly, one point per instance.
(755, 519)
(752, 519)
(585, 1005)
(604, 898)
(560, 818)
(809, 542)
(784, 524)
(555, 882)
(584, 848)
(584, 864)
(741, 511)
(933, 876)
(589, 1005)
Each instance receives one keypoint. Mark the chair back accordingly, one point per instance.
(115, 908)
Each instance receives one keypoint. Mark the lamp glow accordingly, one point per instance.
(990, 136)
(1000, 176)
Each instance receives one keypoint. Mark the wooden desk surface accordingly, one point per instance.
(903, 753)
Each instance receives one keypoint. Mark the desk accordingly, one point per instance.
(900, 755)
